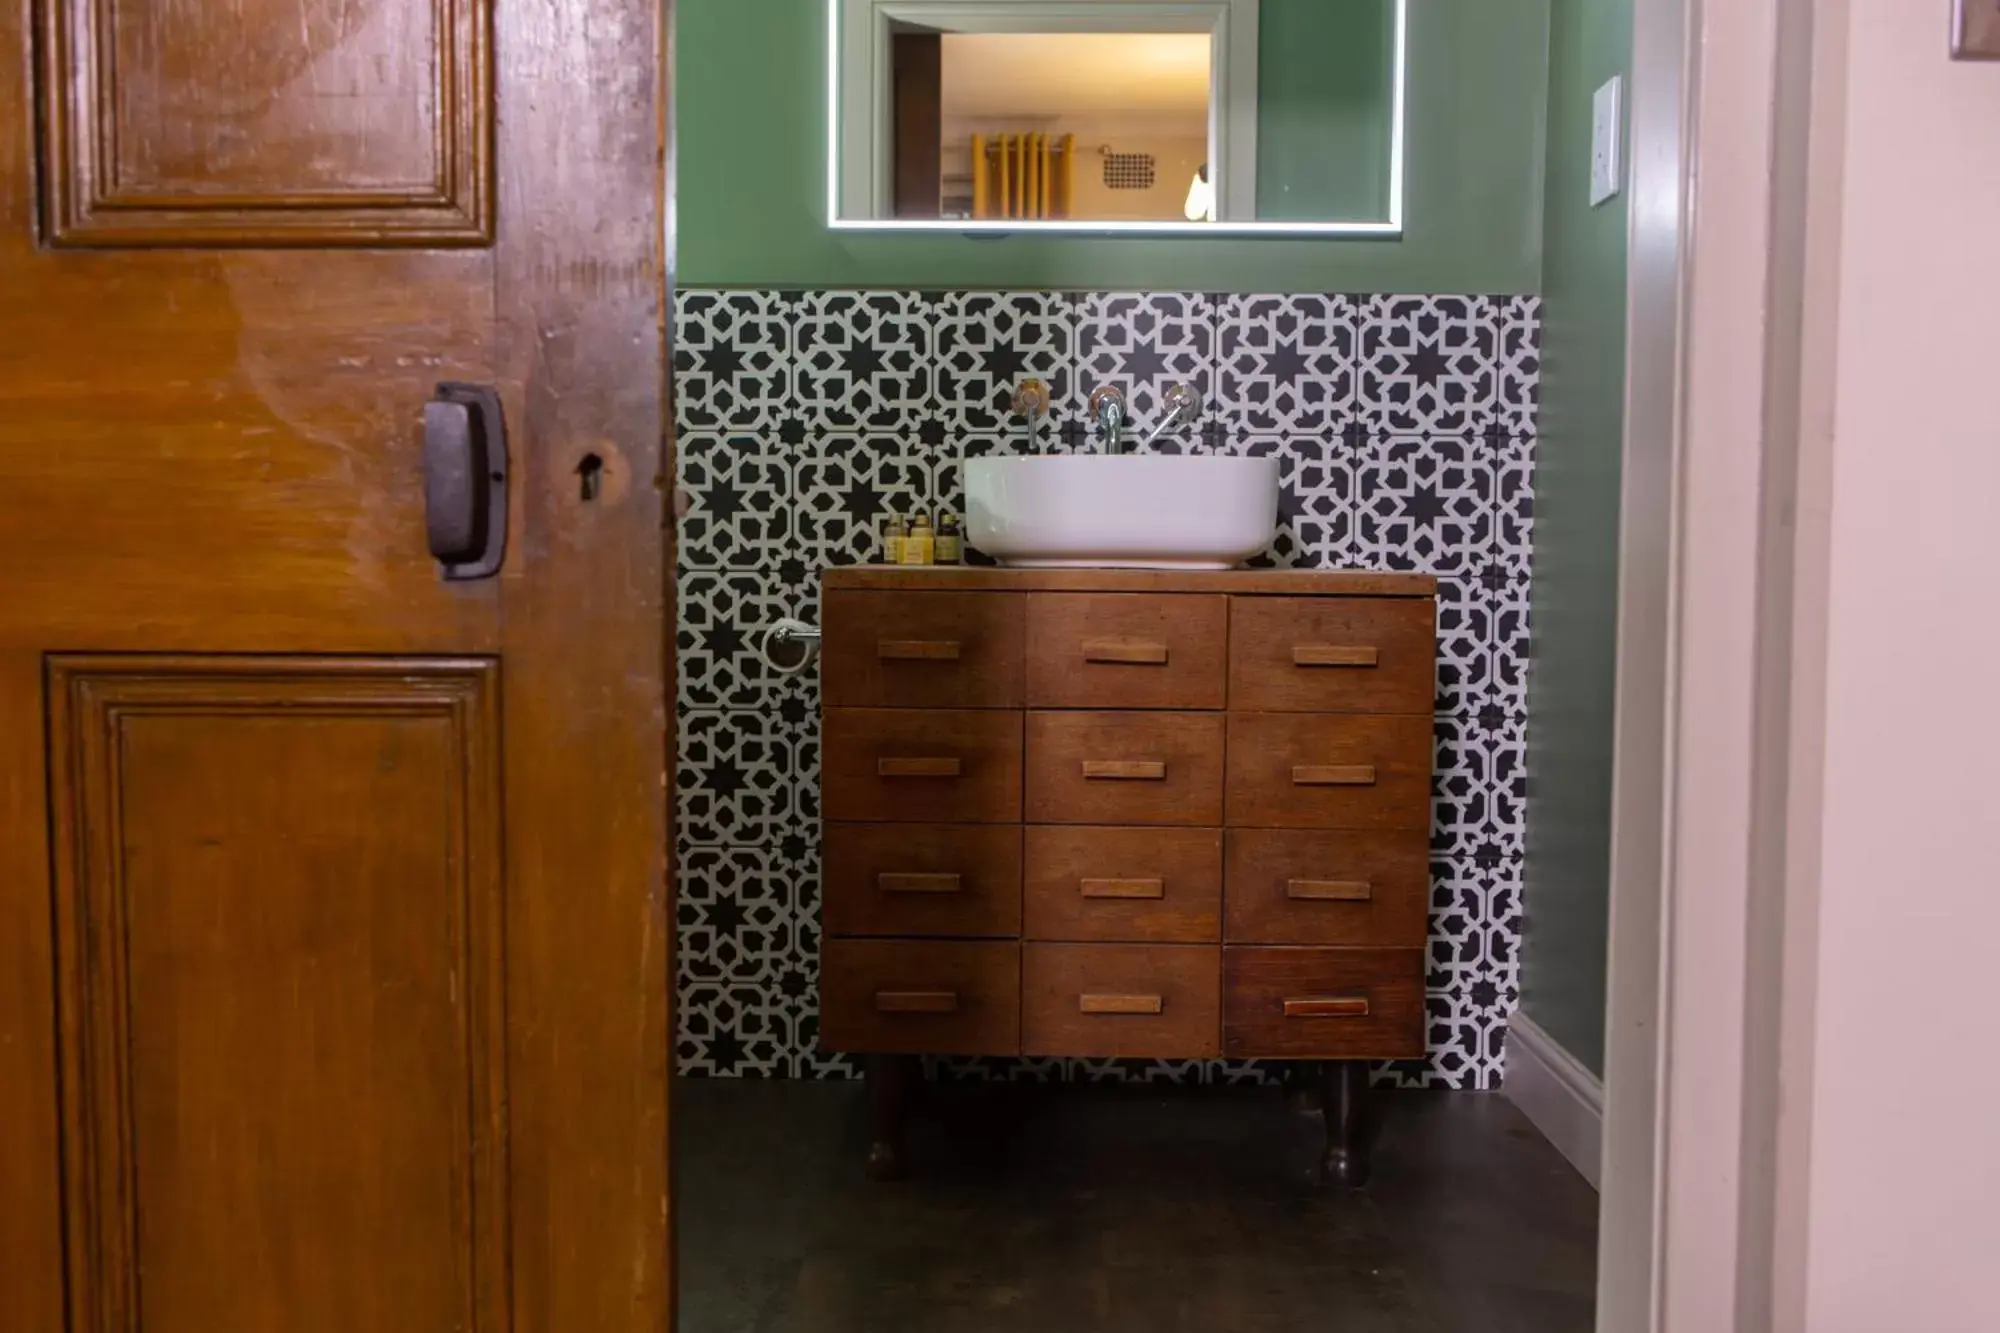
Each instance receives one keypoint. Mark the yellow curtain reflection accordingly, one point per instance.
(1023, 176)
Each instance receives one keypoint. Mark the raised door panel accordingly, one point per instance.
(279, 942)
(306, 122)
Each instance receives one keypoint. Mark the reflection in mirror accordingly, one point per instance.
(1095, 126)
(1117, 115)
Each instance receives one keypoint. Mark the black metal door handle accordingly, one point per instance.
(465, 480)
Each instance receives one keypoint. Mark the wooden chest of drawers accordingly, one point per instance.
(1106, 813)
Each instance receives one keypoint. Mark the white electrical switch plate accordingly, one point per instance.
(1606, 141)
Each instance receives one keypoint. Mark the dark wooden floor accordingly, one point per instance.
(1103, 1210)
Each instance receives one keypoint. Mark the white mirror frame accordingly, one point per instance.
(859, 116)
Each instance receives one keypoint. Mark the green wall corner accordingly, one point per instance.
(1571, 685)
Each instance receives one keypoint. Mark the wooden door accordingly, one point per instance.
(333, 951)
(917, 95)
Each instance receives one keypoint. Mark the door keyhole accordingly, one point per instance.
(590, 471)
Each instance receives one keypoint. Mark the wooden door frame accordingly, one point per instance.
(1721, 660)
(591, 926)
(1722, 574)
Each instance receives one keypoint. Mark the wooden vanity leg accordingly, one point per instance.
(889, 1078)
(1344, 1087)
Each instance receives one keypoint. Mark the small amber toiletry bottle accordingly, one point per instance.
(895, 536)
(920, 546)
(950, 545)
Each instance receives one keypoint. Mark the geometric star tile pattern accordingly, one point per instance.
(1405, 430)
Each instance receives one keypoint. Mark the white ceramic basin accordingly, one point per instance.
(1131, 511)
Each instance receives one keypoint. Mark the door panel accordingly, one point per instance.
(227, 443)
(283, 1042)
(174, 123)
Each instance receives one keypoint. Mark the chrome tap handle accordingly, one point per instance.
(1184, 404)
(1031, 399)
(1108, 406)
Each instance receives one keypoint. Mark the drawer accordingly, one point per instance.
(913, 766)
(921, 649)
(920, 997)
(1160, 1001)
(1323, 1004)
(959, 880)
(1121, 650)
(1333, 654)
(1356, 886)
(1125, 768)
(1290, 770)
(1138, 885)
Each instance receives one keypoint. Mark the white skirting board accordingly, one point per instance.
(1553, 1089)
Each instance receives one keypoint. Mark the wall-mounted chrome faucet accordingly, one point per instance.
(1108, 406)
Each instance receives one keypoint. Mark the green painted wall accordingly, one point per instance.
(1570, 690)
(1325, 106)
(750, 160)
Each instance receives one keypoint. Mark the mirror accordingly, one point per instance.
(1178, 117)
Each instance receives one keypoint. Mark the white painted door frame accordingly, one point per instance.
(1733, 139)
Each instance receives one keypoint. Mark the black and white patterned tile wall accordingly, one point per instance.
(1406, 426)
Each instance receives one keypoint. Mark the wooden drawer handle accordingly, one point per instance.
(1121, 1004)
(919, 768)
(1124, 770)
(917, 650)
(1329, 890)
(1124, 888)
(889, 882)
(1333, 775)
(1335, 655)
(916, 1001)
(1125, 652)
(1345, 1006)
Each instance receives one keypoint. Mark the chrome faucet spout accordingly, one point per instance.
(1108, 406)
